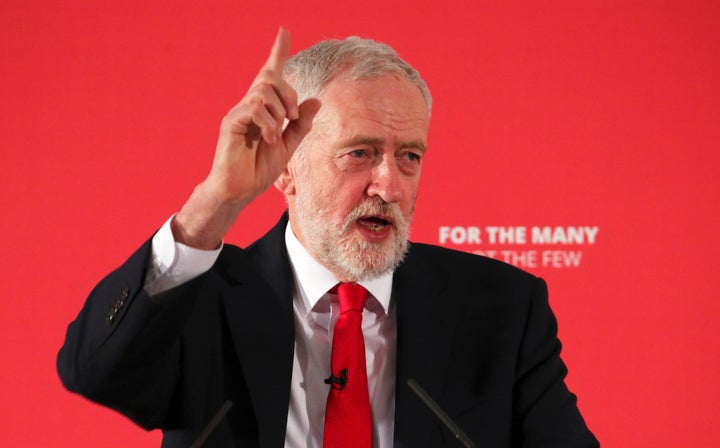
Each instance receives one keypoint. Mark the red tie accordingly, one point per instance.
(347, 414)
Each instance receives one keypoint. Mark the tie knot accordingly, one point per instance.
(351, 296)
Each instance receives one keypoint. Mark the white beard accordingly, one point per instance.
(337, 245)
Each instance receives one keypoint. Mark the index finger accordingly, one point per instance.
(280, 51)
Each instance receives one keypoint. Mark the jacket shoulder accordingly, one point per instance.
(462, 264)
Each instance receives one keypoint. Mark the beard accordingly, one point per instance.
(338, 245)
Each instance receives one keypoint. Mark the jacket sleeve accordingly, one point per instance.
(546, 411)
(123, 349)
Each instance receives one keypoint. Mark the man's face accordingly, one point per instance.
(352, 187)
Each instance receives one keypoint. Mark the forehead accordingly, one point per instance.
(387, 107)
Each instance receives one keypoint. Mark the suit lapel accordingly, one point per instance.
(258, 307)
(425, 327)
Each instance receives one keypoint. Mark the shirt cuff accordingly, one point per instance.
(173, 263)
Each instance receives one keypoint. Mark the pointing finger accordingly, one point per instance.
(280, 51)
(271, 73)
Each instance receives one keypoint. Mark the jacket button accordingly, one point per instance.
(117, 306)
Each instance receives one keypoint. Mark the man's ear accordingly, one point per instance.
(285, 182)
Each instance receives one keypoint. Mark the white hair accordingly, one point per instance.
(310, 70)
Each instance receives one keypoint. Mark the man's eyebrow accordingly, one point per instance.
(415, 144)
(358, 140)
(364, 140)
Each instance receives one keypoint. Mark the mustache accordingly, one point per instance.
(376, 206)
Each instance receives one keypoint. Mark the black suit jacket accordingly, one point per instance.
(477, 334)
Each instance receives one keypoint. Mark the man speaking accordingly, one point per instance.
(314, 331)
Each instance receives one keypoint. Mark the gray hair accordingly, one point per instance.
(310, 70)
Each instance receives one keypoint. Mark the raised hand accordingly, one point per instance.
(251, 152)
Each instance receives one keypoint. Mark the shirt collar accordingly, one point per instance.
(313, 280)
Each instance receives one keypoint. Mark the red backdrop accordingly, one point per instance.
(576, 139)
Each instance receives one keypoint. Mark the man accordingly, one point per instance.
(186, 323)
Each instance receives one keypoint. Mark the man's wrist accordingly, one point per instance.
(204, 219)
(174, 263)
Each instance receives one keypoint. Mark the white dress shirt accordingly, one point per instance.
(315, 314)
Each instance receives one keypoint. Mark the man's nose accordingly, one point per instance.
(386, 181)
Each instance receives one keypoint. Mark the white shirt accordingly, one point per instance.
(315, 314)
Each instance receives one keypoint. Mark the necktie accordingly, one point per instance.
(347, 413)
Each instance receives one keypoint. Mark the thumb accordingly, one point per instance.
(297, 129)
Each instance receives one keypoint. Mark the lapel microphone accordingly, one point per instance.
(337, 382)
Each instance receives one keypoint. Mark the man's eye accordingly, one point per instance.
(358, 153)
(413, 157)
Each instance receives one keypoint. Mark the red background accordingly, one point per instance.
(558, 113)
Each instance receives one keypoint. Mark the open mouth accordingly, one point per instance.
(374, 223)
